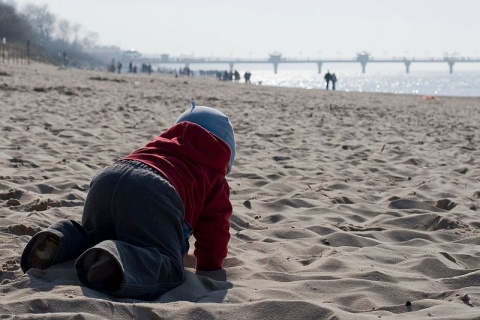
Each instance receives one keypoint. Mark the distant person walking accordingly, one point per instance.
(334, 80)
(236, 75)
(247, 76)
(328, 78)
(65, 59)
(112, 66)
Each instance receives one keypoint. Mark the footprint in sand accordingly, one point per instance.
(445, 204)
(412, 204)
(13, 203)
(440, 223)
(351, 227)
(40, 304)
(11, 194)
(22, 230)
(440, 206)
(42, 205)
(342, 200)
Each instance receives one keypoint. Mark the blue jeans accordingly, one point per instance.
(136, 216)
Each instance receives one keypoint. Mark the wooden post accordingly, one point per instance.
(4, 41)
(28, 51)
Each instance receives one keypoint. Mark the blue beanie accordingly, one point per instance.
(213, 121)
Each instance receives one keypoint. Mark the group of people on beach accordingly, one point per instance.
(132, 68)
(233, 76)
(330, 77)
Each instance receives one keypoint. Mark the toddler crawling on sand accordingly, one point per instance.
(141, 210)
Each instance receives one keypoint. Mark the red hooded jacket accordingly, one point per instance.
(194, 161)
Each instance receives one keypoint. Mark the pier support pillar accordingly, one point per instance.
(231, 66)
(363, 58)
(450, 64)
(364, 65)
(319, 67)
(407, 65)
(275, 67)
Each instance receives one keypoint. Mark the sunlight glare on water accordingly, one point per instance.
(423, 79)
(461, 83)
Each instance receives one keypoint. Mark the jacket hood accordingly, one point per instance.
(197, 144)
(213, 121)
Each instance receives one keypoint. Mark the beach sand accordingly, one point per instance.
(346, 205)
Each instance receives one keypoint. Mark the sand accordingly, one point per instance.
(346, 205)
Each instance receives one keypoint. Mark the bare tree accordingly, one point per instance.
(76, 29)
(64, 30)
(13, 26)
(41, 20)
(90, 40)
(50, 38)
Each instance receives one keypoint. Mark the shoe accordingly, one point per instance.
(102, 271)
(44, 252)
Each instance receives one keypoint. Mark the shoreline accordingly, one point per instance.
(104, 73)
(425, 82)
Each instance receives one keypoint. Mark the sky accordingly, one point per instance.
(294, 28)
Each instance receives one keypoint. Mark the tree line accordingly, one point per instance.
(60, 40)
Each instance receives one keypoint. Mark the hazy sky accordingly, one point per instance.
(296, 28)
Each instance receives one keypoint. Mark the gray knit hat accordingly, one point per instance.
(215, 122)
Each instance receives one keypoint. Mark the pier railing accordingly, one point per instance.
(276, 60)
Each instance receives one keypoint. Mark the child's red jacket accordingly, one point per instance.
(194, 161)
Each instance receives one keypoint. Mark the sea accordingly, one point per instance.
(432, 79)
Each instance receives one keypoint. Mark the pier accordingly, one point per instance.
(276, 59)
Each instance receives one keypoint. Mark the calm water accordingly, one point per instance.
(423, 79)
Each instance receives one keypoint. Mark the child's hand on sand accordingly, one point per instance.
(189, 261)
